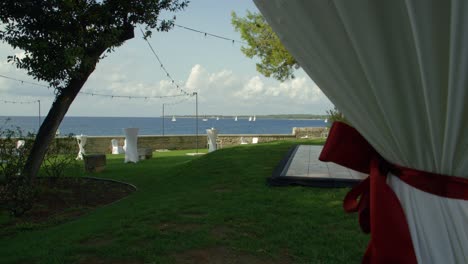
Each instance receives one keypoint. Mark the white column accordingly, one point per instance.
(131, 151)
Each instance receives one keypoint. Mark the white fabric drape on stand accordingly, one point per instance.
(81, 139)
(131, 139)
(212, 136)
(397, 70)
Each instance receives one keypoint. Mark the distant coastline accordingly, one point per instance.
(278, 116)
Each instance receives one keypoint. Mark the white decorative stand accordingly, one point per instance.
(131, 150)
(212, 136)
(81, 144)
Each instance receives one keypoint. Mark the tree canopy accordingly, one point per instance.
(275, 60)
(61, 37)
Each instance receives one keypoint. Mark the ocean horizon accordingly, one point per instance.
(113, 126)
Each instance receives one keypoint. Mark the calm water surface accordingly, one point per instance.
(112, 126)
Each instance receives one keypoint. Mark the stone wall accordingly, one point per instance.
(309, 132)
(102, 144)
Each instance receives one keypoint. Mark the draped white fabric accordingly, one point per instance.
(397, 70)
(212, 136)
(81, 139)
(131, 139)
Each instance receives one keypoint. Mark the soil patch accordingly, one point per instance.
(66, 198)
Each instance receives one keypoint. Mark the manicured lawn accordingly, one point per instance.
(197, 209)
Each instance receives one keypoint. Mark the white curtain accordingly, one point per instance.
(398, 71)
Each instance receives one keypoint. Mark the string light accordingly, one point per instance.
(19, 102)
(179, 101)
(132, 97)
(184, 93)
(210, 34)
(23, 81)
(97, 94)
(162, 65)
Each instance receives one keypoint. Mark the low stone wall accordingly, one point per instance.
(102, 144)
(309, 132)
(233, 140)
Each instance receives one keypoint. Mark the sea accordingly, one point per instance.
(113, 126)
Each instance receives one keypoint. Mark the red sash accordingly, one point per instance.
(380, 212)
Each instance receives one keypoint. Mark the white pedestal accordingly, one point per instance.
(212, 136)
(131, 151)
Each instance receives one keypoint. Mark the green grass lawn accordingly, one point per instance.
(196, 209)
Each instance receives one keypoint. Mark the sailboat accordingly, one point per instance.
(254, 119)
(173, 119)
(250, 119)
(326, 120)
(217, 118)
(235, 118)
(205, 119)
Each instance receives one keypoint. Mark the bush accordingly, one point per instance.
(60, 157)
(336, 115)
(16, 191)
(17, 195)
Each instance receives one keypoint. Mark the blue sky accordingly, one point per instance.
(226, 81)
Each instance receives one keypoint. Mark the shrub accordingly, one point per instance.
(336, 115)
(60, 157)
(16, 191)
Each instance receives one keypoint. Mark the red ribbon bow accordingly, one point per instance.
(380, 212)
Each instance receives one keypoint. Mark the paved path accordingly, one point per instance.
(305, 163)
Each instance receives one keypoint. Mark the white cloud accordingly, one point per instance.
(301, 90)
(225, 91)
(197, 78)
(253, 88)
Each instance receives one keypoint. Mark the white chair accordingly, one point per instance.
(20, 144)
(131, 147)
(255, 140)
(324, 133)
(212, 136)
(81, 144)
(243, 141)
(116, 149)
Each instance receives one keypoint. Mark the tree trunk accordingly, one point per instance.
(62, 103)
(50, 125)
